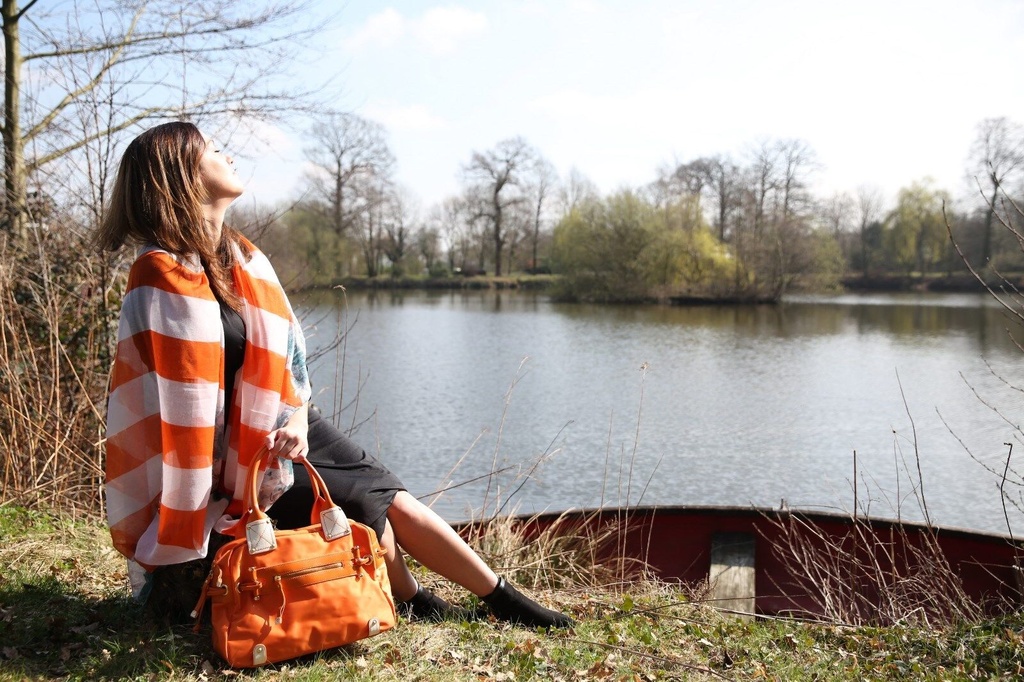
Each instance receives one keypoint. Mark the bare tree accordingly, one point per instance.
(454, 227)
(428, 245)
(373, 215)
(541, 186)
(131, 61)
(398, 221)
(679, 190)
(577, 190)
(837, 213)
(998, 156)
(764, 181)
(770, 237)
(519, 221)
(680, 179)
(836, 219)
(869, 208)
(778, 180)
(496, 184)
(348, 153)
(724, 186)
(797, 161)
(447, 217)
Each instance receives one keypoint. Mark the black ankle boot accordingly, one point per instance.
(425, 605)
(508, 603)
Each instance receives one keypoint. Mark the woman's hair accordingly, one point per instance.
(157, 199)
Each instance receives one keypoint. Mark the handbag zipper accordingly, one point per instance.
(307, 571)
(280, 578)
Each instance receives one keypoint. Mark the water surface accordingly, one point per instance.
(679, 405)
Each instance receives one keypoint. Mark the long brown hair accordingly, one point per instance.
(157, 199)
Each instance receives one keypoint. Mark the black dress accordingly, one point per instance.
(357, 482)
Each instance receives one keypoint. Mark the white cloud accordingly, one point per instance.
(413, 117)
(381, 30)
(584, 6)
(442, 28)
(439, 30)
(572, 105)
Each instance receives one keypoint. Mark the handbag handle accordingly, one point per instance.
(321, 498)
(253, 515)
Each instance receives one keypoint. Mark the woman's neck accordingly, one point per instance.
(213, 213)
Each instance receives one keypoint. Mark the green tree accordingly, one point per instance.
(917, 238)
(687, 262)
(301, 241)
(627, 248)
(598, 248)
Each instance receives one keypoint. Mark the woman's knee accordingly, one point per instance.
(405, 508)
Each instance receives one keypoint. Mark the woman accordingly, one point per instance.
(210, 366)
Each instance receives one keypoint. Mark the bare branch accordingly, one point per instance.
(78, 144)
(72, 96)
(24, 9)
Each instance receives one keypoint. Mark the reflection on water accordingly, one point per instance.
(735, 405)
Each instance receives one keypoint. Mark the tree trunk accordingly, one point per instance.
(498, 248)
(15, 200)
(499, 239)
(989, 215)
(536, 237)
(722, 209)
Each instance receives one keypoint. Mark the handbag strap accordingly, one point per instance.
(321, 498)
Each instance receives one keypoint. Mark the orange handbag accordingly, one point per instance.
(279, 594)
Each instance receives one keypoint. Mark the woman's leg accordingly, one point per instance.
(414, 601)
(403, 584)
(436, 545)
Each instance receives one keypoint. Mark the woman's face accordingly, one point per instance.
(217, 173)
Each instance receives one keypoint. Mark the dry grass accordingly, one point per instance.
(54, 356)
(873, 577)
(558, 554)
(876, 573)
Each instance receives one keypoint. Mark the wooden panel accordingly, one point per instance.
(732, 572)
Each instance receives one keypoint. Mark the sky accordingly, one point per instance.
(885, 92)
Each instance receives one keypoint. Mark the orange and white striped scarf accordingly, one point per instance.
(175, 462)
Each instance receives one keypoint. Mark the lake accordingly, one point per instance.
(583, 405)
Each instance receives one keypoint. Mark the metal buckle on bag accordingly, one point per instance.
(259, 654)
(360, 562)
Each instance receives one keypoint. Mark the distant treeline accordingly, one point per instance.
(714, 228)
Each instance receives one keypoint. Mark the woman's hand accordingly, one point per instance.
(288, 442)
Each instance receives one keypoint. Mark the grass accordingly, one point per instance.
(65, 614)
